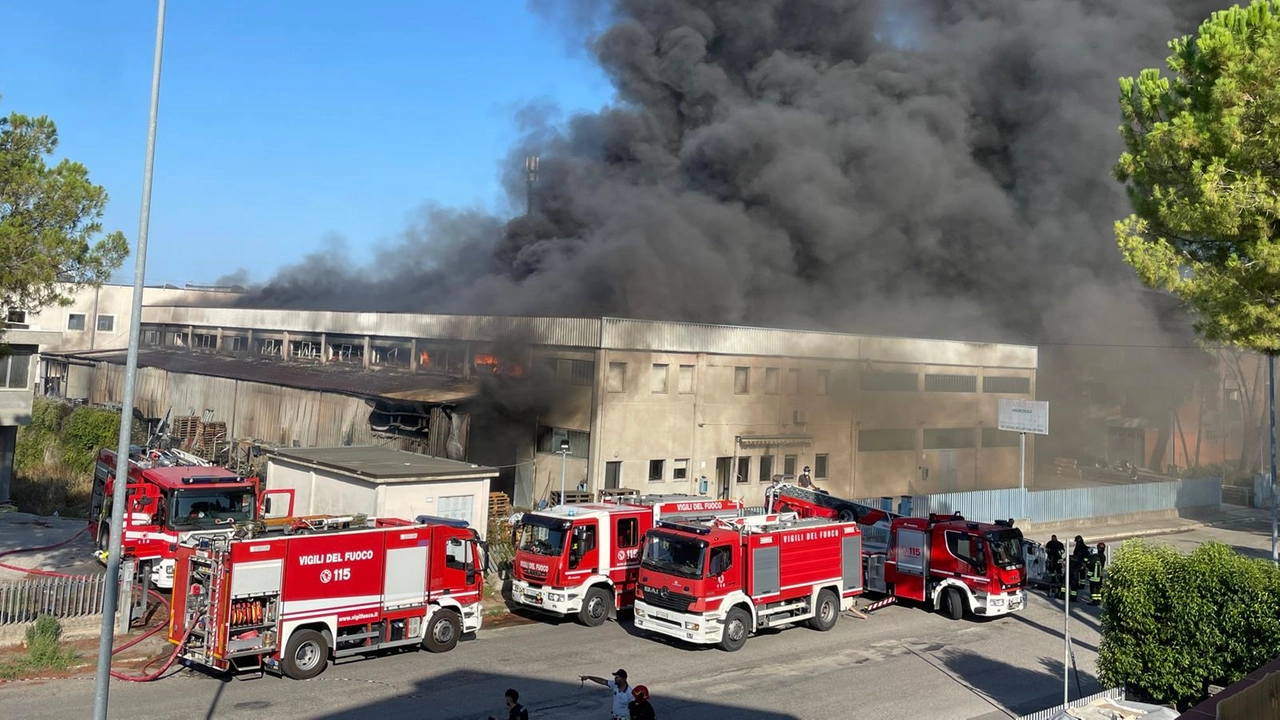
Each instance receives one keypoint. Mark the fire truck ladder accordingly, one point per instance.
(846, 510)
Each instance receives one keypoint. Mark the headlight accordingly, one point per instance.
(555, 597)
(639, 612)
(692, 626)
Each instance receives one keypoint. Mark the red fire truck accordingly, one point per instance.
(170, 495)
(582, 559)
(944, 561)
(717, 582)
(287, 603)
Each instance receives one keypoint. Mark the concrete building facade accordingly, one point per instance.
(656, 406)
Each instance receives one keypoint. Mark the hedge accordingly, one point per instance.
(1173, 624)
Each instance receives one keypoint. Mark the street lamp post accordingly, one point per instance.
(118, 498)
(564, 461)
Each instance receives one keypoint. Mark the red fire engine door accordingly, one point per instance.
(909, 551)
(584, 550)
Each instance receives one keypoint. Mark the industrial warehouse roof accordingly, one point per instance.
(334, 378)
(605, 333)
(385, 465)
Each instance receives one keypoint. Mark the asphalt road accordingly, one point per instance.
(902, 663)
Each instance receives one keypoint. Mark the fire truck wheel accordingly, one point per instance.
(737, 625)
(595, 607)
(443, 632)
(104, 537)
(953, 604)
(826, 612)
(306, 655)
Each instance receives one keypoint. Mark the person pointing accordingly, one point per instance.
(621, 693)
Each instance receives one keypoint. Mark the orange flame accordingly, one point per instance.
(496, 366)
(425, 360)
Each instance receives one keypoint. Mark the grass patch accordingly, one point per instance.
(45, 651)
(46, 489)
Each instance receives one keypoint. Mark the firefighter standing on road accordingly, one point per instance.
(1054, 550)
(1079, 567)
(621, 693)
(1096, 567)
(515, 711)
(640, 708)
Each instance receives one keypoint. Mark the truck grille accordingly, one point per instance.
(533, 575)
(671, 601)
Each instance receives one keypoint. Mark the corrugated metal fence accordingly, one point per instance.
(1047, 506)
(22, 601)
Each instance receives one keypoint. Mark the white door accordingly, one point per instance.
(457, 507)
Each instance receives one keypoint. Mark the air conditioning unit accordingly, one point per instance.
(799, 417)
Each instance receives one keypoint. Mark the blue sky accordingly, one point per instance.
(283, 123)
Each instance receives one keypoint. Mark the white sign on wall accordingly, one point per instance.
(1024, 416)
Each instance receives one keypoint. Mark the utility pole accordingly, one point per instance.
(1066, 633)
(1271, 404)
(119, 496)
(531, 177)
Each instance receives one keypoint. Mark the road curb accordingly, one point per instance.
(1173, 530)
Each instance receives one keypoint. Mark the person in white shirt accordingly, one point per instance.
(621, 693)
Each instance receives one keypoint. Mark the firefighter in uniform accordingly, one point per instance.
(1054, 550)
(1079, 569)
(1096, 567)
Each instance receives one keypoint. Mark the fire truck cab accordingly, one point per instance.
(718, 582)
(582, 559)
(171, 494)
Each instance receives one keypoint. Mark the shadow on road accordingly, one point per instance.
(1019, 689)
(1056, 632)
(476, 695)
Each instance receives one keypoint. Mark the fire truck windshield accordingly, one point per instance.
(207, 508)
(1006, 548)
(542, 536)
(675, 555)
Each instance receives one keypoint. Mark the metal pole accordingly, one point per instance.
(1066, 632)
(1022, 471)
(1271, 402)
(103, 678)
(564, 460)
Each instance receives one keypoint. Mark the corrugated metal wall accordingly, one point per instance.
(268, 413)
(1046, 506)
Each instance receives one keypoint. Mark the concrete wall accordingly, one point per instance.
(634, 424)
(317, 492)
(112, 304)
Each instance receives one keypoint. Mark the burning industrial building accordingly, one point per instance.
(856, 171)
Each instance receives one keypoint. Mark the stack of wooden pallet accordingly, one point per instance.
(499, 505)
(184, 429)
(210, 435)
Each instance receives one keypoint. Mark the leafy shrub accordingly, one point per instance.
(44, 650)
(1173, 624)
(87, 430)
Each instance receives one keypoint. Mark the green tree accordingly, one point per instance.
(49, 219)
(1173, 624)
(1202, 169)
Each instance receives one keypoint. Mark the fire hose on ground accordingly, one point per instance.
(164, 602)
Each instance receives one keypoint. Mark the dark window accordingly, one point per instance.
(15, 369)
(951, 383)
(719, 561)
(741, 380)
(789, 464)
(106, 323)
(75, 321)
(549, 441)
(16, 318)
(628, 532)
(617, 381)
(889, 382)
(766, 468)
(819, 466)
(657, 470)
(1006, 385)
(744, 469)
(948, 438)
(680, 469)
(886, 440)
(582, 372)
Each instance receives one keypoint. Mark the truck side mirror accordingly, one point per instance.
(266, 506)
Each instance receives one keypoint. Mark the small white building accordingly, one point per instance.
(381, 482)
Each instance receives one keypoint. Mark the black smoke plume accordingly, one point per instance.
(919, 166)
(910, 167)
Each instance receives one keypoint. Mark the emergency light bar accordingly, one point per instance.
(436, 520)
(695, 529)
(208, 479)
